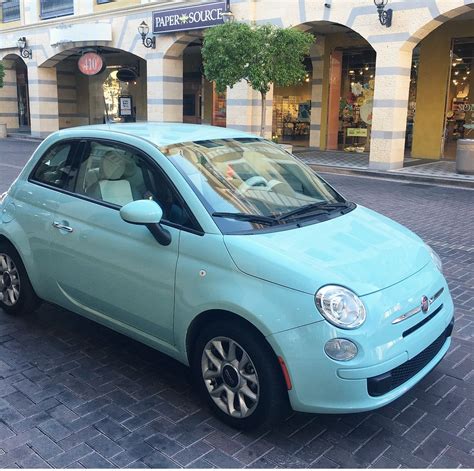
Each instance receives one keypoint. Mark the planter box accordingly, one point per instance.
(465, 156)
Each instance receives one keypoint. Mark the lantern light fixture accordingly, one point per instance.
(22, 46)
(228, 16)
(143, 30)
(385, 16)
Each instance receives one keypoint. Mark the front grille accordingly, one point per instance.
(382, 384)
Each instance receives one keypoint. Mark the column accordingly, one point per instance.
(164, 87)
(8, 98)
(244, 109)
(43, 91)
(392, 85)
(317, 59)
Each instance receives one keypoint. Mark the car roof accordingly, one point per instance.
(163, 134)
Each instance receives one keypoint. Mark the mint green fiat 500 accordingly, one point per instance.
(223, 251)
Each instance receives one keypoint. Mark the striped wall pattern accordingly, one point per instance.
(317, 60)
(413, 20)
(43, 90)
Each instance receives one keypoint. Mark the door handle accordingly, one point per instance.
(62, 227)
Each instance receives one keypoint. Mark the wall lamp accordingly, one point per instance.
(24, 52)
(227, 16)
(385, 16)
(143, 30)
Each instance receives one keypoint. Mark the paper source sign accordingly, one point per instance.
(184, 19)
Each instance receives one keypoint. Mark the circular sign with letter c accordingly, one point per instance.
(90, 63)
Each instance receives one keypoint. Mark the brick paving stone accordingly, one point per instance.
(74, 394)
(164, 444)
(158, 460)
(104, 445)
(45, 447)
(70, 456)
(194, 452)
(94, 460)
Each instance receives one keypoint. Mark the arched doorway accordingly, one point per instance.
(201, 103)
(115, 93)
(190, 98)
(337, 93)
(15, 108)
(444, 88)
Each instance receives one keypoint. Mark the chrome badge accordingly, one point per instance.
(425, 304)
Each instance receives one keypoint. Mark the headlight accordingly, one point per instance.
(340, 306)
(435, 258)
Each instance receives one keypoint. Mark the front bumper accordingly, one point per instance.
(388, 364)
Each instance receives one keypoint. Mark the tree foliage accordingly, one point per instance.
(2, 74)
(260, 55)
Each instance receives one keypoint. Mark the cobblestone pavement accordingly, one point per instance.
(75, 394)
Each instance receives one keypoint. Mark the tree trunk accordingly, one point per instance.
(264, 115)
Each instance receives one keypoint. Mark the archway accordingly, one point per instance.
(444, 98)
(190, 97)
(340, 86)
(14, 97)
(116, 93)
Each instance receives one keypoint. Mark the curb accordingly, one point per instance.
(24, 138)
(454, 182)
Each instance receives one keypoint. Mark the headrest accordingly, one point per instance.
(112, 166)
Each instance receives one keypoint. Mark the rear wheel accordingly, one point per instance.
(16, 293)
(238, 374)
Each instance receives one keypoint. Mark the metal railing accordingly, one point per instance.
(10, 10)
(55, 8)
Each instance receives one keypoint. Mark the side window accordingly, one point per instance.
(118, 175)
(54, 167)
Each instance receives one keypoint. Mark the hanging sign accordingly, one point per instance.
(91, 63)
(125, 105)
(187, 18)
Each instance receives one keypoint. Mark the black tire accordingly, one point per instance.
(272, 404)
(27, 300)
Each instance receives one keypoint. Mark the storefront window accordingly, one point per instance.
(292, 111)
(460, 99)
(357, 100)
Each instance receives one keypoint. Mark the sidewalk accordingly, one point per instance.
(439, 172)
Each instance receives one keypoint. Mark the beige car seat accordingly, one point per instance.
(112, 186)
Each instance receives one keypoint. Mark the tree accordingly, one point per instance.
(260, 55)
(2, 74)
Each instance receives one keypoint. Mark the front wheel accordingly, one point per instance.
(239, 376)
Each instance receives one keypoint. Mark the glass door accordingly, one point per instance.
(459, 122)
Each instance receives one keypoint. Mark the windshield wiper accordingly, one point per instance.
(248, 217)
(314, 209)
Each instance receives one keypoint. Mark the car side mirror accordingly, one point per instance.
(147, 213)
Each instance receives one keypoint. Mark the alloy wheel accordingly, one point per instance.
(230, 377)
(9, 281)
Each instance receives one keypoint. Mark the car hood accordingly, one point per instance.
(361, 250)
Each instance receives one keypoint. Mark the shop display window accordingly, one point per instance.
(460, 99)
(357, 99)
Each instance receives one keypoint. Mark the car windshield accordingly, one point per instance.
(251, 183)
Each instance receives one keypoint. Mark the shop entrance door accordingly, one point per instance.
(459, 122)
(22, 95)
